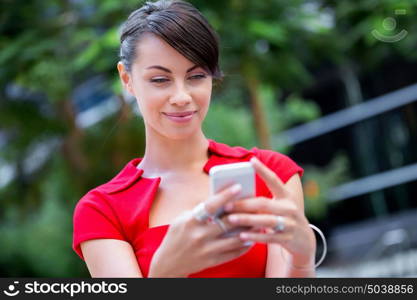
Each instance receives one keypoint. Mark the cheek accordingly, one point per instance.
(204, 95)
(150, 109)
(149, 100)
(205, 104)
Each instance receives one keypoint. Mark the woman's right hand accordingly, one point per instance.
(191, 245)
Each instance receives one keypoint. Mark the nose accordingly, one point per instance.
(181, 96)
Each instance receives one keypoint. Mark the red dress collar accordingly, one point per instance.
(222, 154)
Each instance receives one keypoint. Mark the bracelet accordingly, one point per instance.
(321, 234)
(323, 255)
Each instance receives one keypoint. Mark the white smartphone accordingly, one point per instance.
(223, 176)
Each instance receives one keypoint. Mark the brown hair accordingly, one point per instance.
(179, 24)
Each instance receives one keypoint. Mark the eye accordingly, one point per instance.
(197, 76)
(159, 80)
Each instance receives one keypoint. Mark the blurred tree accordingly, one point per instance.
(48, 49)
(267, 54)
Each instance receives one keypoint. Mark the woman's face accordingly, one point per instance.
(173, 93)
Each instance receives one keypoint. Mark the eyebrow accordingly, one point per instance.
(168, 70)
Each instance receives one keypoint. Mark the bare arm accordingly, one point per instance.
(279, 257)
(110, 258)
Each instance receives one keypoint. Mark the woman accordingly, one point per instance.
(152, 219)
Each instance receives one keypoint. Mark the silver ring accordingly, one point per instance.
(200, 213)
(280, 224)
(221, 224)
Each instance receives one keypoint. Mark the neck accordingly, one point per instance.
(164, 155)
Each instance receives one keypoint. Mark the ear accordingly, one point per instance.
(125, 78)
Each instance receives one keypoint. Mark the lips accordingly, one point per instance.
(180, 117)
(179, 114)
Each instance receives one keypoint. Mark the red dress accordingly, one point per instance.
(119, 209)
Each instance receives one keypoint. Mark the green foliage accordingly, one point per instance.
(230, 125)
(110, 144)
(39, 243)
(37, 233)
(318, 181)
(107, 43)
(273, 32)
(285, 114)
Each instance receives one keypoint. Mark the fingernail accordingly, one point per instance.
(236, 188)
(233, 218)
(244, 235)
(248, 243)
(228, 207)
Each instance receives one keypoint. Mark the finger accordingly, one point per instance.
(279, 238)
(262, 205)
(236, 230)
(260, 220)
(214, 205)
(222, 227)
(272, 181)
(222, 245)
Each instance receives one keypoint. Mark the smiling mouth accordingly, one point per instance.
(180, 114)
(180, 117)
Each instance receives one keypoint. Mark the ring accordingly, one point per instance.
(220, 223)
(200, 213)
(280, 224)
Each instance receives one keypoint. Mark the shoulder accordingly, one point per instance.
(124, 179)
(100, 213)
(95, 218)
(102, 196)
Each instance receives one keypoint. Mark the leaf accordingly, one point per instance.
(273, 32)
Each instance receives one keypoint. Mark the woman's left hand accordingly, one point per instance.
(280, 220)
